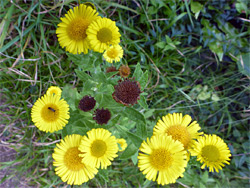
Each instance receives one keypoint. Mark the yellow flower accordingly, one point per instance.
(71, 32)
(68, 164)
(98, 148)
(179, 128)
(212, 151)
(162, 159)
(113, 53)
(123, 144)
(53, 90)
(50, 113)
(102, 33)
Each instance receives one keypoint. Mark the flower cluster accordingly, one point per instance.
(82, 29)
(77, 158)
(165, 155)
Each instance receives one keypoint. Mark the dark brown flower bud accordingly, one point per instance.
(102, 116)
(87, 103)
(124, 71)
(127, 92)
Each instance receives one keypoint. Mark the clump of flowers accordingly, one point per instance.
(68, 163)
(71, 32)
(164, 156)
(77, 158)
(82, 29)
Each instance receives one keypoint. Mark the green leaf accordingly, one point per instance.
(143, 80)
(100, 77)
(89, 124)
(205, 177)
(83, 61)
(110, 74)
(142, 102)
(216, 48)
(67, 130)
(241, 7)
(128, 152)
(196, 7)
(87, 88)
(175, 20)
(109, 102)
(244, 64)
(103, 173)
(134, 115)
(168, 39)
(82, 75)
(136, 140)
(134, 158)
(161, 44)
(138, 72)
(141, 130)
(70, 95)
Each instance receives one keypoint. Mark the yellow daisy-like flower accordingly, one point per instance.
(212, 151)
(162, 159)
(98, 148)
(179, 128)
(113, 53)
(123, 144)
(102, 33)
(53, 90)
(71, 32)
(50, 113)
(68, 164)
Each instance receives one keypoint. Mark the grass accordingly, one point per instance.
(31, 60)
